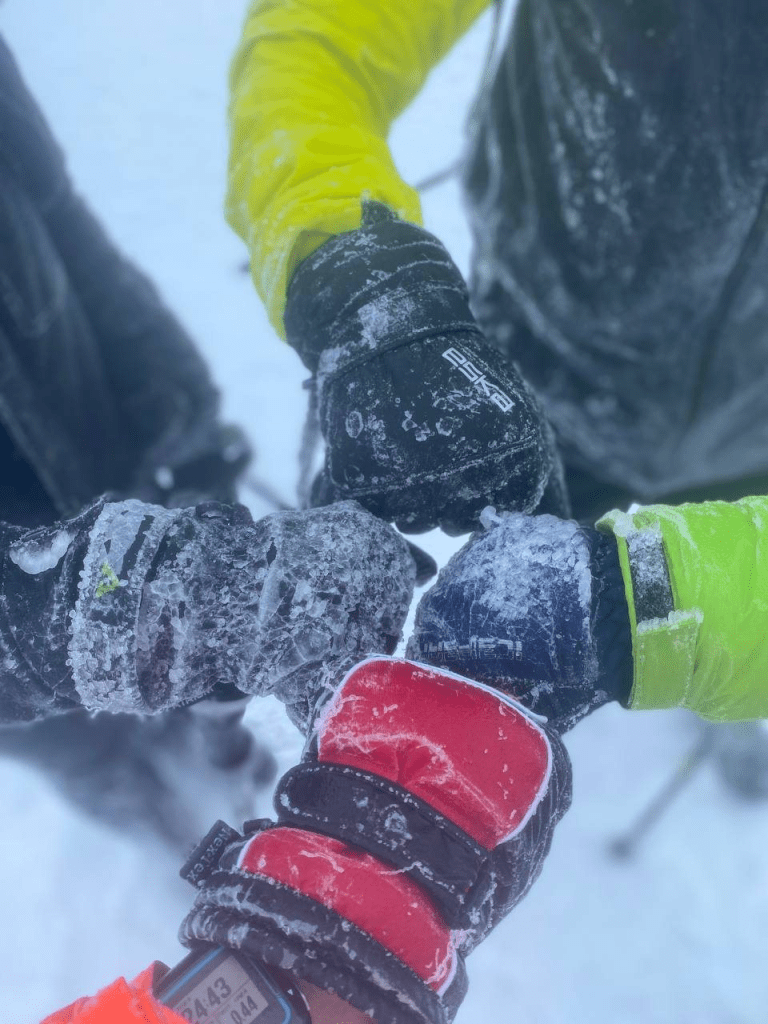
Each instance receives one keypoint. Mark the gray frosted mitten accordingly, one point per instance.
(133, 607)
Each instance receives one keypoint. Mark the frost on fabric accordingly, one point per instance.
(674, 620)
(336, 586)
(34, 556)
(651, 585)
(39, 575)
(414, 438)
(103, 624)
(172, 603)
(414, 434)
(650, 575)
(489, 517)
(512, 609)
(615, 254)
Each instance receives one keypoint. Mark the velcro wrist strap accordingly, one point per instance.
(651, 586)
(385, 820)
(391, 319)
(124, 541)
(609, 616)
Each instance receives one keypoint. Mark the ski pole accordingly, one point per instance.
(264, 491)
(624, 846)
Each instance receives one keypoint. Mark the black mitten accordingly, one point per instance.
(424, 422)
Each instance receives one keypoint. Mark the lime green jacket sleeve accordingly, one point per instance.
(315, 86)
(711, 653)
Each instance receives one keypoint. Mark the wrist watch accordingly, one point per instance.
(215, 985)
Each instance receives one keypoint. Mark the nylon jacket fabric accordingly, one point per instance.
(618, 184)
(99, 383)
(121, 1002)
(618, 190)
(315, 87)
(710, 653)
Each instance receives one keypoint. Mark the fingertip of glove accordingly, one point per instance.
(426, 566)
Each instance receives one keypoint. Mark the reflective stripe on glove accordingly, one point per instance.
(421, 814)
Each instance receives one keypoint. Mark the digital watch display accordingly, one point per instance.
(221, 986)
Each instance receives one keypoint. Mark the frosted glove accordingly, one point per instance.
(534, 606)
(424, 422)
(402, 838)
(133, 607)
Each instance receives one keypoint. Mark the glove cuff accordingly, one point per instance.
(386, 820)
(611, 628)
(356, 928)
(103, 648)
(368, 291)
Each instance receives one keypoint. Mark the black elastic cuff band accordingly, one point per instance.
(390, 823)
(463, 327)
(610, 618)
(364, 291)
(280, 925)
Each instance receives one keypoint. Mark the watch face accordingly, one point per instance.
(220, 987)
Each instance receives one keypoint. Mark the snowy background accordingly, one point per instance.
(136, 93)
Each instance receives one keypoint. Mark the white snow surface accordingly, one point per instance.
(136, 93)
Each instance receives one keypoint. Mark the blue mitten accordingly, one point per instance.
(533, 606)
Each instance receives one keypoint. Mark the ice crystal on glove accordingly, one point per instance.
(337, 585)
(173, 603)
(34, 556)
(513, 609)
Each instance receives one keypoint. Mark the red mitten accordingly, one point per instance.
(421, 814)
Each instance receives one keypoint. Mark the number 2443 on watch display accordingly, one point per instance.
(220, 986)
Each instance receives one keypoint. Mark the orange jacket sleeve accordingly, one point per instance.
(121, 1002)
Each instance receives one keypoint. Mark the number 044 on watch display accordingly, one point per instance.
(221, 986)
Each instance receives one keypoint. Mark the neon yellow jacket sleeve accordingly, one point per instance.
(711, 653)
(315, 86)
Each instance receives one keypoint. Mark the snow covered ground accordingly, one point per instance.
(137, 94)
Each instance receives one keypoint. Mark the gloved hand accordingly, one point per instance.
(424, 422)
(133, 607)
(402, 838)
(133, 1002)
(534, 606)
